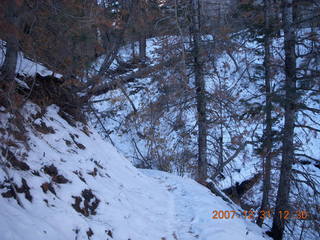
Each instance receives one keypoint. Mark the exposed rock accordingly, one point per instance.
(13, 187)
(93, 172)
(51, 170)
(109, 233)
(90, 233)
(79, 174)
(48, 187)
(91, 202)
(79, 145)
(60, 179)
(237, 191)
(14, 162)
(25, 189)
(43, 128)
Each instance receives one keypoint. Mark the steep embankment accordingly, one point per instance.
(70, 184)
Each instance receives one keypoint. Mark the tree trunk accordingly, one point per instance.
(8, 68)
(288, 131)
(220, 159)
(143, 49)
(200, 93)
(268, 121)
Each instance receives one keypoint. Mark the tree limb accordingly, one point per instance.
(119, 81)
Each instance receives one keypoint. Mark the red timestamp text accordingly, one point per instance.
(251, 214)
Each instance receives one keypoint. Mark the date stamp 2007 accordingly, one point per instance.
(231, 214)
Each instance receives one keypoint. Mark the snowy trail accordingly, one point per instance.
(192, 210)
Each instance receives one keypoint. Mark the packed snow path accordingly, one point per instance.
(192, 206)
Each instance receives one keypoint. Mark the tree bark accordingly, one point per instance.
(288, 131)
(200, 93)
(220, 159)
(8, 68)
(143, 48)
(268, 121)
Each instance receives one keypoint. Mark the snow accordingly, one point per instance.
(26, 66)
(30, 68)
(134, 204)
(193, 205)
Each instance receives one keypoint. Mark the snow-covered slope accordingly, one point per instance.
(73, 185)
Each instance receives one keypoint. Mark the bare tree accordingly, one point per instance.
(282, 202)
(200, 92)
(267, 149)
